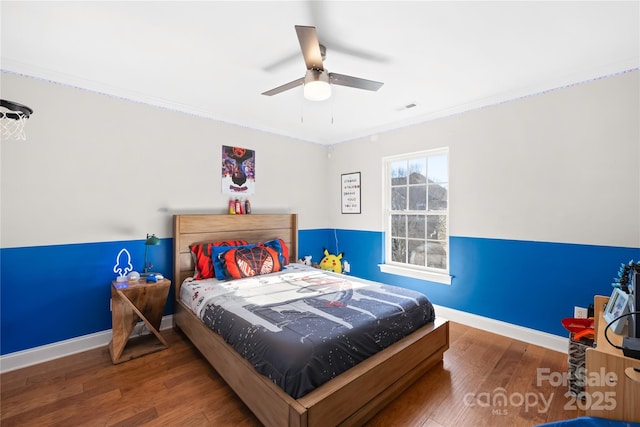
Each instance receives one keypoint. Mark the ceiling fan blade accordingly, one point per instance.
(310, 47)
(284, 87)
(319, 16)
(357, 82)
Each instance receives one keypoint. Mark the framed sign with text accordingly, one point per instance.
(350, 193)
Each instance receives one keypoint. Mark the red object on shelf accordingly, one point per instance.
(585, 333)
(575, 325)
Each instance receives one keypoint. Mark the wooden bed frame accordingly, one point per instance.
(349, 399)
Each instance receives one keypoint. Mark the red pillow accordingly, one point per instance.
(252, 261)
(201, 254)
(285, 251)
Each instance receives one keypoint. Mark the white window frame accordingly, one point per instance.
(403, 269)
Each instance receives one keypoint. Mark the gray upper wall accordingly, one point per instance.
(561, 166)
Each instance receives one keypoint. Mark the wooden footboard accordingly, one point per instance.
(349, 399)
(359, 393)
(266, 400)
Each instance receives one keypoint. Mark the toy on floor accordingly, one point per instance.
(331, 262)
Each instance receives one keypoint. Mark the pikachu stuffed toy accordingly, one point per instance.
(331, 262)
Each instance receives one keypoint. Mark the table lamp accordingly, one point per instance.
(152, 240)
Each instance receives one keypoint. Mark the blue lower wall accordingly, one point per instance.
(526, 283)
(53, 293)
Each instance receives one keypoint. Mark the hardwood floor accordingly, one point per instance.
(177, 387)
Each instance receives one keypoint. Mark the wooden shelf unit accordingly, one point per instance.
(606, 398)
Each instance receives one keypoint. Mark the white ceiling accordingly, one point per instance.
(214, 59)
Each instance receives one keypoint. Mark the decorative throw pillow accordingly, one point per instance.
(250, 261)
(281, 247)
(201, 254)
(218, 261)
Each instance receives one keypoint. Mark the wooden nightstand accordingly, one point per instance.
(132, 301)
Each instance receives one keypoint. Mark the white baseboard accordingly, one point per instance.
(33, 356)
(520, 333)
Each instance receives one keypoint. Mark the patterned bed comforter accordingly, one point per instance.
(302, 326)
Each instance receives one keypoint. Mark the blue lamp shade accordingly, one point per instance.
(152, 240)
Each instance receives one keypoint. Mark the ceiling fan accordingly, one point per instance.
(317, 80)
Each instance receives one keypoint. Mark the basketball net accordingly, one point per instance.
(12, 124)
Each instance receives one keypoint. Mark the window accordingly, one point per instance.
(417, 215)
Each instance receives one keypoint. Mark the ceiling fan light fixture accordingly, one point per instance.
(316, 85)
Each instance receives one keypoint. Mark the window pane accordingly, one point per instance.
(437, 255)
(399, 199)
(399, 173)
(438, 169)
(438, 197)
(418, 210)
(436, 227)
(418, 171)
(418, 198)
(416, 252)
(416, 226)
(399, 250)
(398, 225)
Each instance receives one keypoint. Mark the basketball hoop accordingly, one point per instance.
(13, 117)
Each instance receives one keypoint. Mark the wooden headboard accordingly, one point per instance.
(198, 228)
